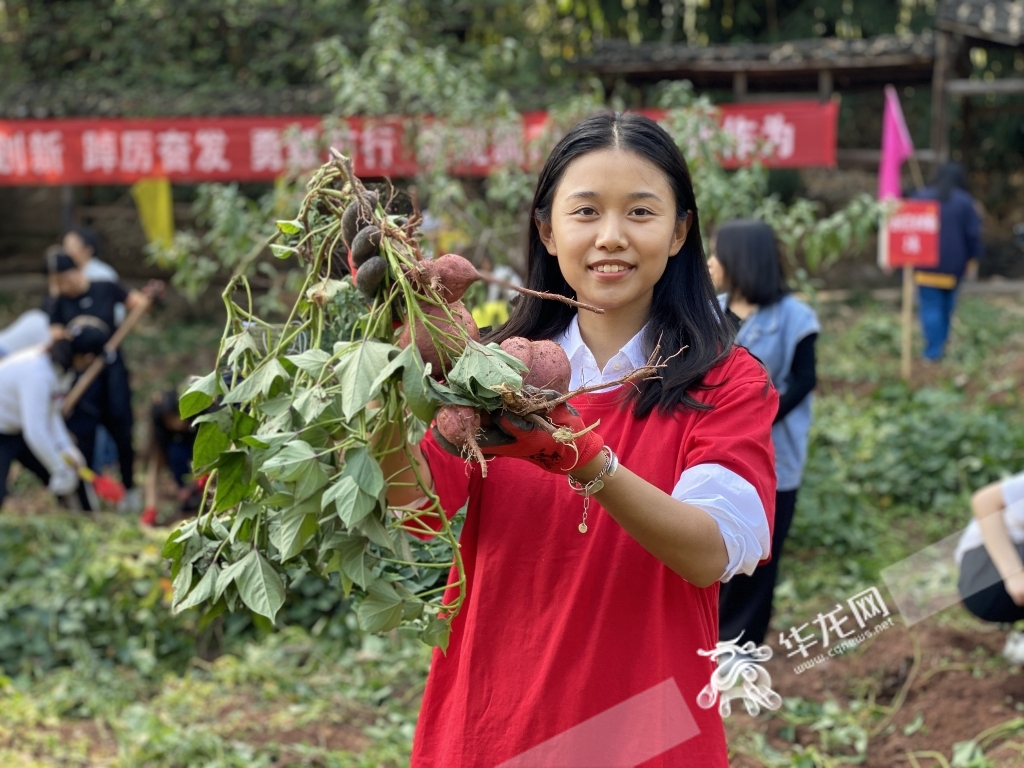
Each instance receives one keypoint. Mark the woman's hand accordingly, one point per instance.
(534, 440)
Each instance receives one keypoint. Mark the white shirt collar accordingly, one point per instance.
(584, 367)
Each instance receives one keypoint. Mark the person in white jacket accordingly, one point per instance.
(29, 330)
(32, 430)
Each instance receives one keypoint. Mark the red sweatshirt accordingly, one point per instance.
(581, 649)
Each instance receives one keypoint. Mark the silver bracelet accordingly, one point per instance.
(611, 464)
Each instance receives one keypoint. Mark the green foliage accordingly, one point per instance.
(170, 43)
(810, 243)
(234, 233)
(74, 591)
(298, 450)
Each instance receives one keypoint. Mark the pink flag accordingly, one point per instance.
(896, 146)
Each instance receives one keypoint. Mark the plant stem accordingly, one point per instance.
(490, 278)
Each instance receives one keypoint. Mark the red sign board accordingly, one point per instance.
(121, 151)
(910, 236)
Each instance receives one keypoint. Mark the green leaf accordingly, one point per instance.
(239, 344)
(175, 543)
(288, 463)
(371, 527)
(248, 511)
(290, 227)
(259, 383)
(298, 526)
(352, 503)
(259, 586)
(310, 403)
(232, 481)
(312, 478)
(210, 442)
(203, 590)
(381, 610)
(227, 577)
(412, 609)
(200, 395)
(398, 362)
(364, 469)
(479, 371)
(354, 562)
(276, 406)
(242, 424)
(271, 441)
(181, 584)
(437, 634)
(312, 361)
(282, 251)
(357, 373)
(415, 389)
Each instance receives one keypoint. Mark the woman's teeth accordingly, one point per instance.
(610, 268)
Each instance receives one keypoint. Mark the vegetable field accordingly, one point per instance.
(96, 669)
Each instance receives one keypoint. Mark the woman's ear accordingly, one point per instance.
(546, 235)
(681, 231)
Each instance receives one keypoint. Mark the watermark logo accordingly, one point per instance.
(838, 633)
(739, 676)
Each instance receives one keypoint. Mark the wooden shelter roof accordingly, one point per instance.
(793, 65)
(1001, 21)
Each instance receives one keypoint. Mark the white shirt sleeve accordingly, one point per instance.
(736, 508)
(1013, 489)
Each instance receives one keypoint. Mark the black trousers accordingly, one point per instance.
(745, 602)
(13, 448)
(108, 401)
(981, 588)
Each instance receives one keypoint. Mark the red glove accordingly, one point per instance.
(537, 446)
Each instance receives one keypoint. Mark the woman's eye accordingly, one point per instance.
(641, 211)
(585, 211)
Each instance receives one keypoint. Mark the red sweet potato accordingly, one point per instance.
(549, 368)
(454, 275)
(459, 425)
(521, 349)
(442, 350)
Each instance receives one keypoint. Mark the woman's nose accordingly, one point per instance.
(611, 236)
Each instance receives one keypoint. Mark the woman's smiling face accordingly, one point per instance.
(613, 229)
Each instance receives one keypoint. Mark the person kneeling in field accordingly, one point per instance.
(32, 430)
(171, 440)
(990, 556)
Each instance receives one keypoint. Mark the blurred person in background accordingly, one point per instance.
(170, 445)
(32, 430)
(83, 246)
(31, 329)
(960, 247)
(108, 401)
(780, 330)
(990, 554)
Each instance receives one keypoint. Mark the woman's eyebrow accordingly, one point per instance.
(588, 195)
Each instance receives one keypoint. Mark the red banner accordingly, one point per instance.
(121, 151)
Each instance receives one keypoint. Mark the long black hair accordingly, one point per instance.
(749, 255)
(684, 312)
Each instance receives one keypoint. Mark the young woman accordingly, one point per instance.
(989, 555)
(578, 641)
(780, 331)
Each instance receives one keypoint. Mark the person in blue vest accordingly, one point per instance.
(960, 247)
(780, 330)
